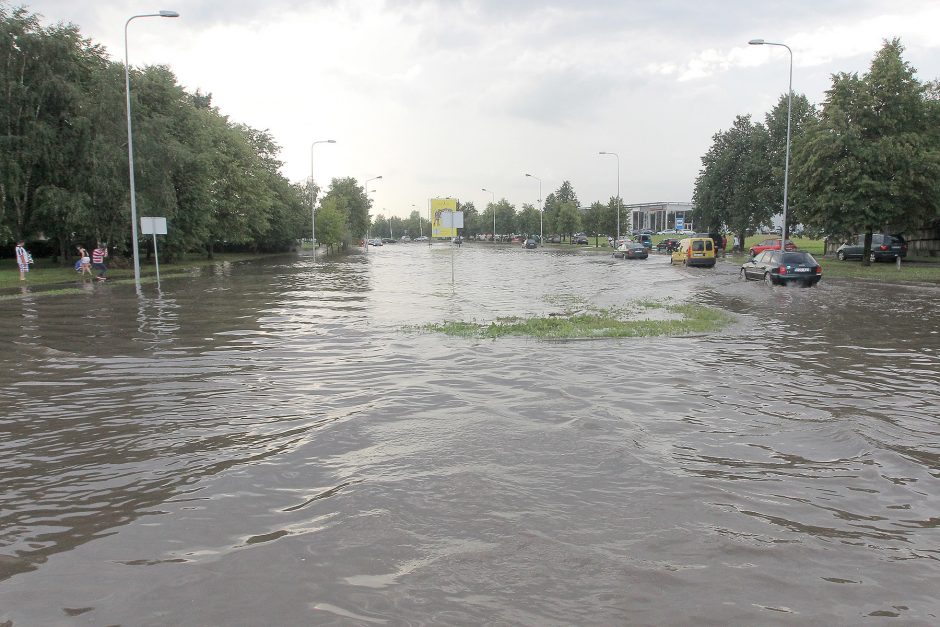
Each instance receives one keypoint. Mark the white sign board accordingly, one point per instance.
(153, 226)
(452, 219)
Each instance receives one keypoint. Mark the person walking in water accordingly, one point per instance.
(98, 256)
(23, 259)
(84, 261)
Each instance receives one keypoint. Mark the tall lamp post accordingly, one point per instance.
(603, 152)
(130, 141)
(493, 203)
(786, 162)
(313, 198)
(366, 186)
(540, 205)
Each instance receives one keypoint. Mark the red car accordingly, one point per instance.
(770, 244)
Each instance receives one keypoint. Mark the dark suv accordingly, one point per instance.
(883, 248)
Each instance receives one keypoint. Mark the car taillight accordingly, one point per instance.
(882, 247)
(782, 270)
(818, 269)
(689, 253)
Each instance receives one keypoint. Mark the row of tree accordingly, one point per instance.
(63, 154)
(867, 160)
(561, 215)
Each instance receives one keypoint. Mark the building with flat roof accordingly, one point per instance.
(659, 216)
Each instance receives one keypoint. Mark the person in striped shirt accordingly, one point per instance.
(97, 261)
(23, 259)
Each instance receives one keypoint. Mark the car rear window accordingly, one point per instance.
(795, 258)
(698, 245)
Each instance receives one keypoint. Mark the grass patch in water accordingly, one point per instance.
(595, 323)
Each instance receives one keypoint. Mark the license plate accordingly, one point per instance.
(698, 254)
(802, 269)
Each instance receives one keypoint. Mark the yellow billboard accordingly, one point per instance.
(442, 213)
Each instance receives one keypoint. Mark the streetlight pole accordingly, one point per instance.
(541, 212)
(130, 141)
(366, 186)
(313, 198)
(493, 203)
(420, 227)
(603, 152)
(786, 163)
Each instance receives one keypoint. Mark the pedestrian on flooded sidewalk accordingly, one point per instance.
(98, 256)
(23, 259)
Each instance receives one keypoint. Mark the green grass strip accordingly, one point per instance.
(595, 323)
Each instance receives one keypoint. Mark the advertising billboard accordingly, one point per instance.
(444, 218)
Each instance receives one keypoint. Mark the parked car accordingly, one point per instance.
(554, 239)
(779, 268)
(770, 244)
(695, 251)
(531, 243)
(669, 244)
(580, 239)
(883, 248)
(405, 238)
(646, 239)
(421, 238)
(632, 250)
(375, 241)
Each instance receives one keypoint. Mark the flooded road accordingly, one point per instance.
(276, 443)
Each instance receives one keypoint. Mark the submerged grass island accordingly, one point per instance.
(641, 319)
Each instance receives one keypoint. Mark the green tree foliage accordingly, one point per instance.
(596, 219)
(331, 223)
(528, 220)
(733, 186)
(506, 217)
(564, 194)
(871, 161)
(351, 202)
(568, 219)
(63, 152)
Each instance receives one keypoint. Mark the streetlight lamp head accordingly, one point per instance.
(378, 177)
(756, 42)
(527, 174)
(164, 13)
(331, 141)
(603, 152)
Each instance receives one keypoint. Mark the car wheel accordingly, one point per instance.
(769, 280)
(841, 255)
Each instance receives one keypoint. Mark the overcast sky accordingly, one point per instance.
(443, 98)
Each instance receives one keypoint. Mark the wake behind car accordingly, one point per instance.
(780, 268)
(883, 248)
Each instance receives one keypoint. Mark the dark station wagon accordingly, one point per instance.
(780, 268)
(883, 248)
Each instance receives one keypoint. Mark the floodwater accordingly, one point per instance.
(277, 443)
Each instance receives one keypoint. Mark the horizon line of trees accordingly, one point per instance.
(562, 216)
(866, 160)
(64, 167)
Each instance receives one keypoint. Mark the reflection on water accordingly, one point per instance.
(276, 443)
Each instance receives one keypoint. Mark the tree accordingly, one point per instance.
(732, 188)
(801, 114)
(564, 194)
(331, 223)
(352, 203)
(568, 219)
(528, 221)
(869, 162)
(506, 217)
(471, 222)
(596, 218)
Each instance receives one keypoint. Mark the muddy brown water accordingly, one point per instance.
(273, 443)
